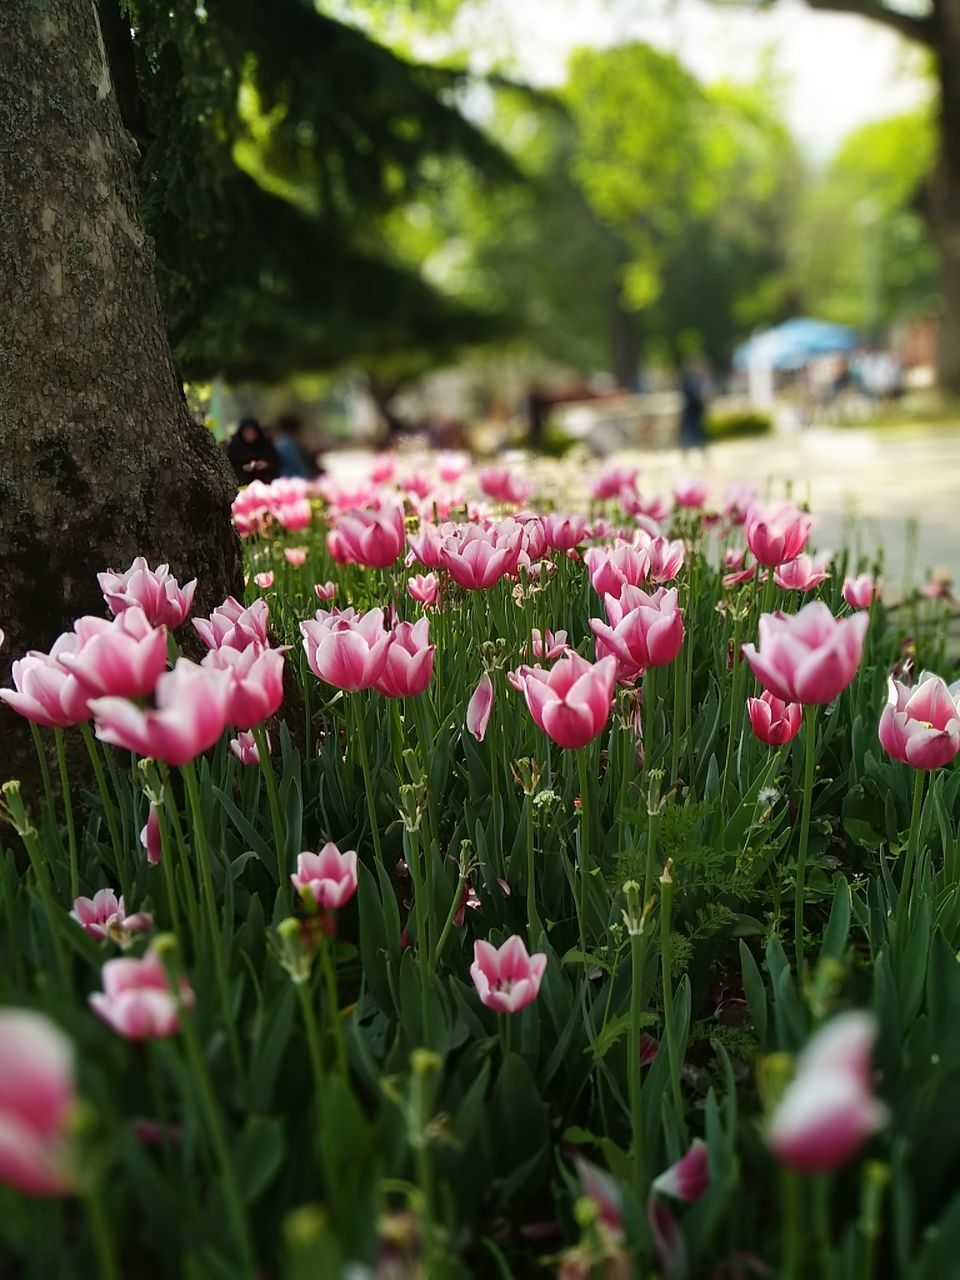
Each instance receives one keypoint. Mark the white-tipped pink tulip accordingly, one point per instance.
(828, 1110)
(507, 979)
(36, 1101)
(479, 707)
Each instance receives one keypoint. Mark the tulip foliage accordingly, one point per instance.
(527, 878)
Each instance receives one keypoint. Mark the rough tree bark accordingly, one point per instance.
(99, 458)
(944, 201)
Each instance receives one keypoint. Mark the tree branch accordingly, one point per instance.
(921, 29)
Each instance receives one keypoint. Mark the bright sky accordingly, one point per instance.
(838, 71)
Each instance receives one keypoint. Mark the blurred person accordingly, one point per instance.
(693, 433)
(295, 460)
(252, 453)
(537, 407)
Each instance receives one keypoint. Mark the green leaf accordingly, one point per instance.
(257, 1156)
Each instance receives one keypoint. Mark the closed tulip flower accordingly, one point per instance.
(507, 979)
(45, 691)
(325, 591)
(137, 1000)
(613, 568)
(777, 536)
(232, 626)
(503, 486)
(920, 726)
(37, 1099)
(828, 1111)
(613, 481)
(643, 630)
(424, 588)
(860, 592)
(264, 580)
(244, 747)
(479, 707)
(327, 879)
(802, 574)
(690, 493)
(773, 720)
(409, 662)
(150, 837)
(571, 702)
(255, 692)
(122, 658)
(689, 1178)
(425, 545)
(563, 532)
(373, 537)
(190, 715)
(809, 657)
(348, 649)
(156, 591)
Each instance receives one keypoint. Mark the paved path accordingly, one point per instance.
(885, 477)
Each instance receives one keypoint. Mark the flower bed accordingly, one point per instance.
(567, 894)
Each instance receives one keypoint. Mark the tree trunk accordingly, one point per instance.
(944, 204)
(99, 459)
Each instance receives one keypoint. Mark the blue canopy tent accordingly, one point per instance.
(795, 342)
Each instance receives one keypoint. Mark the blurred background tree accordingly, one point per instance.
(275, 138)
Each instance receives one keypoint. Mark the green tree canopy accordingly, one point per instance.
(273, 137)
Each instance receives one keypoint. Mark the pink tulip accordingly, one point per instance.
(348, 649)
(477, 558)
(417, 483)
(665, 558)
(827, 1111)
(244, 747)
(103, 916)
(190, 715)
(643, 630)
(372, 537)
(325, 591)
(920, 726)
(37, 1100)
(424, 588)
(571, 702)
(605, 1192)
(384, 465)
(613, 568)
(425, 544)
(451, 466)
(808, 657)
(255, 692)
(158, 594)
(654, 508)
(327, 879)
(502, 486)
(479, 707)
(150, 836)
(777, 536)
(772, 720)
(295, 556)
(409, 663)
(860, 592)
(939, 586)
(231, 626)
(45, 691)
(564, 532)
(613, 481)
(690, 493)
(294, 515)
(507, 979)
(264, 580)
(137, 1001)
(802, 574)
(550, 645)
(689, 1178)
(737, 501)
(122, 658)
